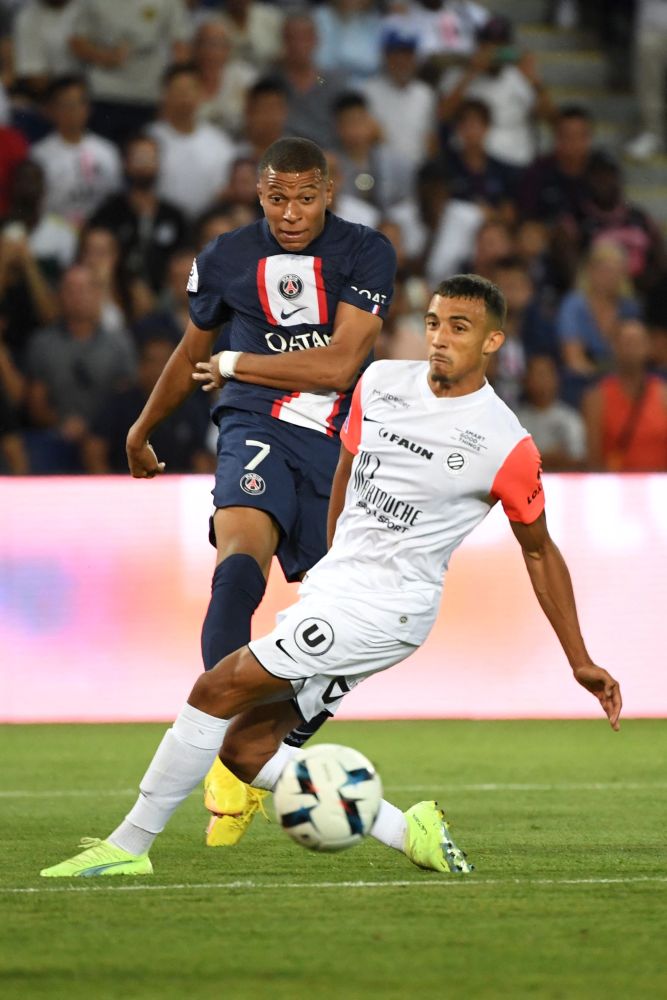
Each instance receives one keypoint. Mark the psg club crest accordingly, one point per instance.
(290, 286)
(252, 483)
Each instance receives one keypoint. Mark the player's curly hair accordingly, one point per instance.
(293, 156)
(473, 286)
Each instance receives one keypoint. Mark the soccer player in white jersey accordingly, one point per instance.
(427, 449)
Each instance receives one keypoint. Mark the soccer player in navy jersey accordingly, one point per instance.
(304, 293)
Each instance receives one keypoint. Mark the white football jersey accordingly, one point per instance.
(426, 471)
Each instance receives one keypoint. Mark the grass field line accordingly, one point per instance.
(250, 884)
(592, 786)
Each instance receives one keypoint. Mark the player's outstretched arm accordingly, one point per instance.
(171, 389)
(332, 367)
(551, 582)
(338, 488)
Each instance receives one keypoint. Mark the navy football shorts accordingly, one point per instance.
(282, 469)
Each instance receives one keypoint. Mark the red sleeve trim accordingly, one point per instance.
(518, 483)
(350, 433)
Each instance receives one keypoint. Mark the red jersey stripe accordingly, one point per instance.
(261, 291)
(279, 403)
(321, 293)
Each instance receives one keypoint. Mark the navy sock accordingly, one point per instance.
(237, 589)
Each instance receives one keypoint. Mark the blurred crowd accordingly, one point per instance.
(130, 133)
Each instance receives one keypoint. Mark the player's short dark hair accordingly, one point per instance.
(350, 99)
(473, 286)
(294, 156)
(64, 82)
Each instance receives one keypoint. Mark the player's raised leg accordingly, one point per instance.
(182, 759)
(246, 540)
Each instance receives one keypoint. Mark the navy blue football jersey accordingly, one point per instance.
(277, 301)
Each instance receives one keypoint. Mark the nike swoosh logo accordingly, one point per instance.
(99, 869)
(371, 421)
(279, 644)
(286, 315)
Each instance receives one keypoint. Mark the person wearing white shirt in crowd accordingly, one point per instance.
(349, 38)
(125, 46)
(511, 87)
(81, 168)
(225, 80)
(41, 32)
(404, 106)
(557, 429)
(442, 29)
(650, 68)
(195, 157)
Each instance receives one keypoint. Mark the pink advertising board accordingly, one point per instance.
(104, 582)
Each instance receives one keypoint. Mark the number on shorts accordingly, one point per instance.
(264, 450)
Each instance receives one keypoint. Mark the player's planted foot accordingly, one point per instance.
(100, 858)
(233, 804)
(428, 842)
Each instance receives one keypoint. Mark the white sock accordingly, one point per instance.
(268, 776)
(390, 827)
(184, 757)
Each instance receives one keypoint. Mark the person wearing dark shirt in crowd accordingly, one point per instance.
(555, 185)
(13, 457)
(626, 412)
(147, 227)
(171, 312)
(606, 212)
(473, 175)
(180, 438)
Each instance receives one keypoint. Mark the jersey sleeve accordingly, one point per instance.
(350, 434)
(371, 283)
(208, 308)
(518, 483)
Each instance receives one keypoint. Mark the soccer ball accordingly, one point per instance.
(328, 797)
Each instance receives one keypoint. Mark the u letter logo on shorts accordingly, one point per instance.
(314, 636)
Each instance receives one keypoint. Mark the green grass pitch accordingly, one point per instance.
(564, 820)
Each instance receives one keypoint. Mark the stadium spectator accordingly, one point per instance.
(242, 187)
(472, 174)
(349, 38)
(180, 439)
(349, 206)
(52, 240)
(368, 168)
(557, 429)
(509, 83)
(13, 150)
(650, 67)
(195, 157)
(264, 118)
(310, 96)
(254, 30)
(147, 227)
(225, 80)
(221, 218)
(529, 321)
(41, 33)
(494, 241)
(588, 315)
(438, 232)
(72, 366)
(80, 168)
(124, 297)
(626, 412)
(606, 212)
(402, 103)
(13, 456)
(171, 310)
(443, 29)
(126, 48)
(555, 185)
(402, 334)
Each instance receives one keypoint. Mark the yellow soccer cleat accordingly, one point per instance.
(100, 858)
(233, 804)
(428, 842)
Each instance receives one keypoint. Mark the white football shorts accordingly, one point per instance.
(325, 647)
